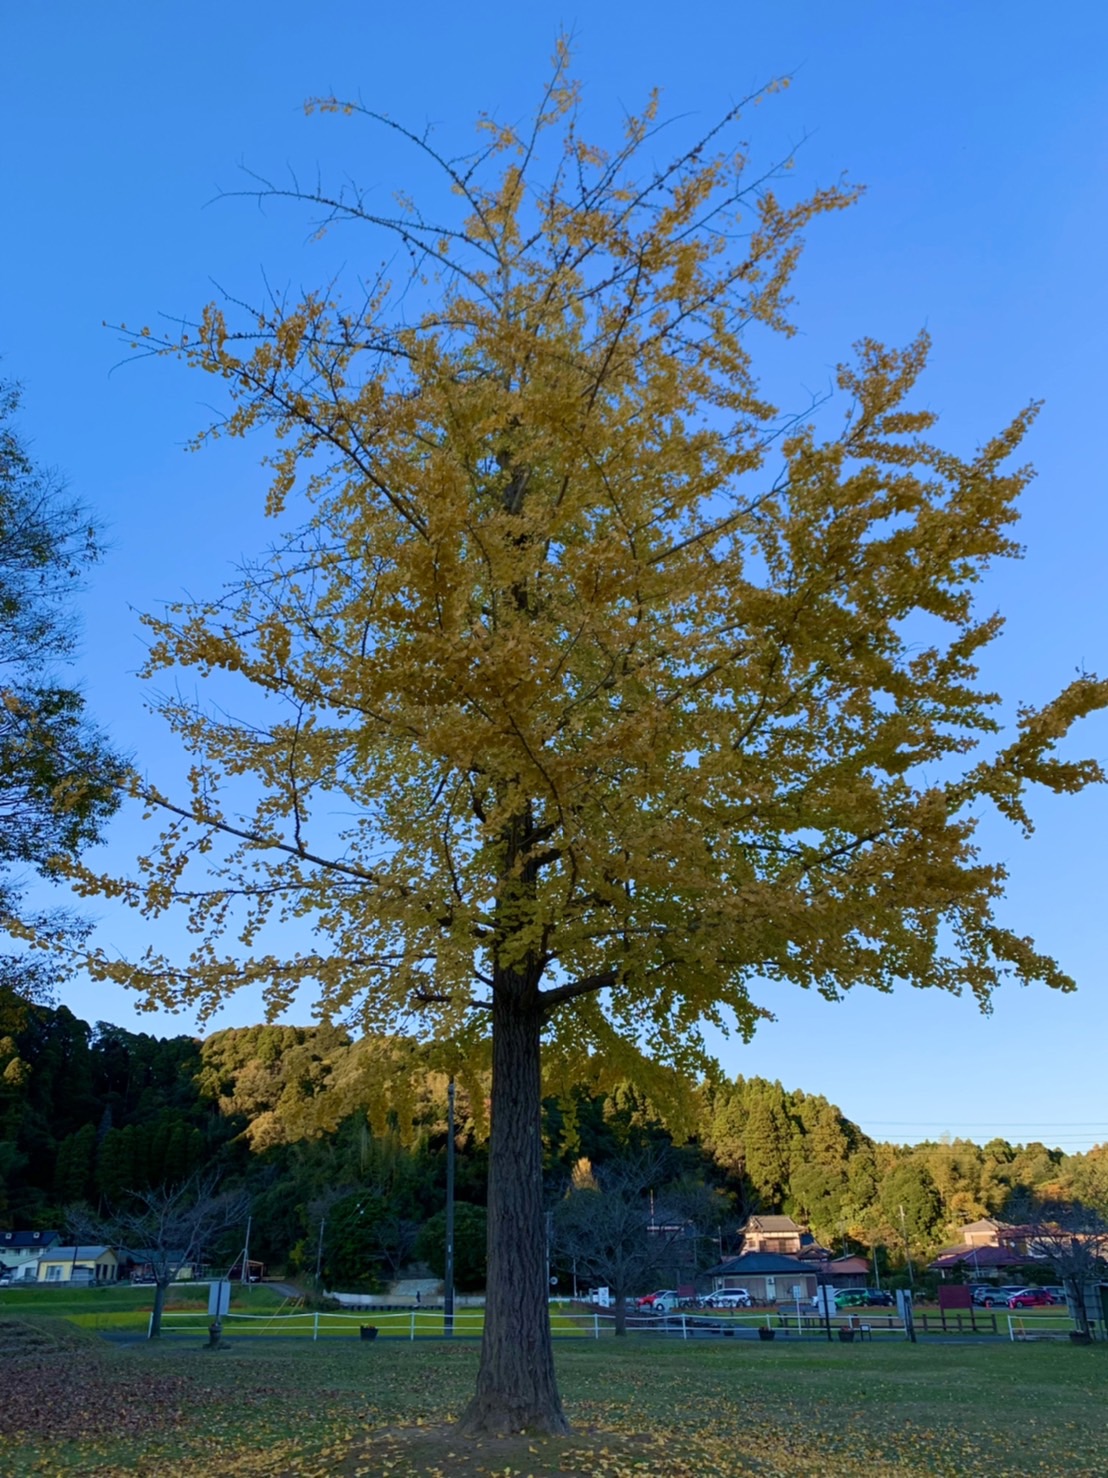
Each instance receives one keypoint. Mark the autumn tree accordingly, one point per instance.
(584, 687)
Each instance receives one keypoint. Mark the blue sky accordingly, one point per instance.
(978, 132)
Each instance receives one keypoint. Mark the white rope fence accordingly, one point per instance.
(469, 1323)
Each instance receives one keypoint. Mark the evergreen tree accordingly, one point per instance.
(59, 780)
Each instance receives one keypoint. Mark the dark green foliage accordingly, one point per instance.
(97, 1113)
(59, 781)
(352, 1251)
(93, 1114)
(911, 1203)
(469, 1246)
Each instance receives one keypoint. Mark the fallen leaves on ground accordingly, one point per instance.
(75, 1404)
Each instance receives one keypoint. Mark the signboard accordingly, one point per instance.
(904, 1308)
(219, 1299)
(955, 1296)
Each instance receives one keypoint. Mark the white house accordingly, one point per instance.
(20, 1251)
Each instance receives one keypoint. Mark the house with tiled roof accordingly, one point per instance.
(20, 1251)
(987, 1248)
(767, 1276)
(773, 1234)
(984, 1264)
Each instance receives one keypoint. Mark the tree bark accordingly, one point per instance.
(516, 1386)
(621, 1313)
(159, 1305)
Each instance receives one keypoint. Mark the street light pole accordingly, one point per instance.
(448, 1271)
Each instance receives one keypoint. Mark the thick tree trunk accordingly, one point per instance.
(159, 1305)
(516, 1386)
(621, 1314)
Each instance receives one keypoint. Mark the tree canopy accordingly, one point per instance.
(59, 781)
(587, 687)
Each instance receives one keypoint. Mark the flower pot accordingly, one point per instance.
(846, 1335)
(369, 1331)
(765, 1332)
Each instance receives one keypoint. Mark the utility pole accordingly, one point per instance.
(907, 1253)
(448, 1279)
(245, 1278)
(876, 1266)
(319, 1256)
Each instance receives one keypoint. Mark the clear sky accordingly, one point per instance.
(978, 130)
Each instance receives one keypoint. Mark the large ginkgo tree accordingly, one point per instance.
(583, 687)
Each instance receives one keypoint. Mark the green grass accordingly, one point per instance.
(123, 1305)
(658, 1410)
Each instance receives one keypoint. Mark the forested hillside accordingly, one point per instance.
(88, 1113)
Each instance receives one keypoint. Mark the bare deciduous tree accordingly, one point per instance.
(608, 1226)
(166, 1229)
(1073, 1238)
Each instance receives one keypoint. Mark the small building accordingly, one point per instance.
(767, 1277)
(983, 1233)
(143, 1264)
(773, 1234)
(20, 1251)
(847, 1272)
(978, 1264)
(78, 1265)
(988, 1232)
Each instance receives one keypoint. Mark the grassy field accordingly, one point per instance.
(76, 1404)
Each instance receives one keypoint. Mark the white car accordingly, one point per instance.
(665, 1303)
(729, 1298)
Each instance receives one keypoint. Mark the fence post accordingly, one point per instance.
(315, 1327)
(411, 1332)
(684, 1326)
(596, 1326)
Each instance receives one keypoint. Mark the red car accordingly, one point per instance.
(1028, 1298)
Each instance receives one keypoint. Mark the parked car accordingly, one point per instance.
(1029, 1298)
(648, 1299)
(1057, 1292)
(880, 1297)
(997, 1298)
(851, 1298)
(728, 1298)
(665, 1302)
